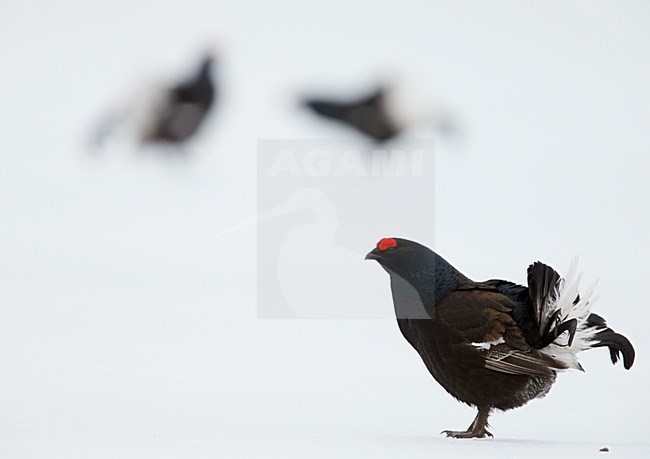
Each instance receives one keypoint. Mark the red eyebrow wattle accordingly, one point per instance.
(386, 243)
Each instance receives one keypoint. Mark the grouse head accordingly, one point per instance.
(200, 89)
(408, 262)
(207, 64)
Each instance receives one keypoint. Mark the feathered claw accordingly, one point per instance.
(466, 434)
(478, 428)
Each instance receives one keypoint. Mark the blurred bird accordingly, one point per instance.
(381, 115)
(169, 114)
(183, 107)
(492, 344)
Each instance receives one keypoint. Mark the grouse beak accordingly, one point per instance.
(374, 254)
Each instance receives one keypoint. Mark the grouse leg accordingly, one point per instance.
(478, 428)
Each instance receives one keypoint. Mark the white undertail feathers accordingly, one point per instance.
(572, 305)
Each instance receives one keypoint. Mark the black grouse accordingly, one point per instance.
(368, 114)
(168, 115)
(183, 107)
(492, 344)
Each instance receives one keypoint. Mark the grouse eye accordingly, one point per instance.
(386, 244)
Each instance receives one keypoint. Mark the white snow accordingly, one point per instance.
(128, 329)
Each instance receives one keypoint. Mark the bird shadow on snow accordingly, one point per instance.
(503, 442)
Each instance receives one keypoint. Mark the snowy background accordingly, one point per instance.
(129, 329)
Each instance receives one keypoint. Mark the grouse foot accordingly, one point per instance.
(467, 433)
(478, 428)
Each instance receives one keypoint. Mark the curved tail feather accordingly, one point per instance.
(559, 308)
(617, 343)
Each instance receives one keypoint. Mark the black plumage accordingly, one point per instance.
(183, 108)
(494, 344)
(367, 114)
(163, 114)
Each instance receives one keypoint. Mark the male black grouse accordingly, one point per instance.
(183, 108)
(492, 344)
(164, 114)
(369, 114)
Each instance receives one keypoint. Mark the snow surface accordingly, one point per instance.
(129, 330)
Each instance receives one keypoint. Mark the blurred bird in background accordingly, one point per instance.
(166, 115)
(383, 113)
(492, 344)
